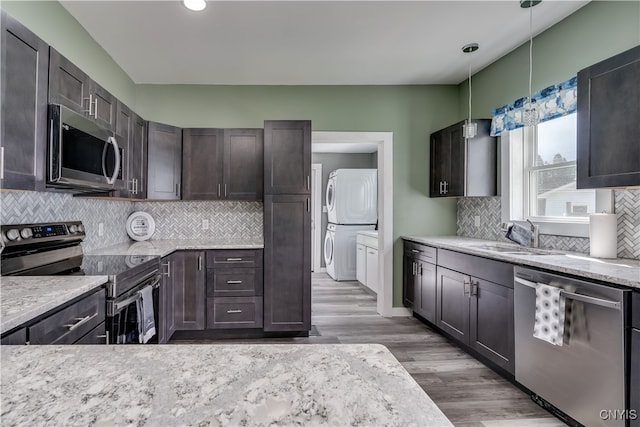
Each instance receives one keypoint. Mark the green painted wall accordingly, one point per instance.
(595, 32)
(53, 24)
(410, 112)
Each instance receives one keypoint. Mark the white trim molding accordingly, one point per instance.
(384, 141)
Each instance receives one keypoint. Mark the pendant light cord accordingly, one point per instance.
(530, 52)
(469, 93)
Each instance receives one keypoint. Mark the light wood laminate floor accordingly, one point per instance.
(469, 393)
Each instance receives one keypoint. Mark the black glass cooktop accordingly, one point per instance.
(113, 265)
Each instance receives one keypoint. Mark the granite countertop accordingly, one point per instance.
(23, 298)
(373, 233)
(623, 272)
(167, 385)
(166, 247)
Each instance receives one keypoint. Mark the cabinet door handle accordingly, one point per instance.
(474, 289)
(371, 253)
(416, 251)
(199, 262)
(414, 268)
(225, 190)
(137, 188)
(105, 336)
(234, 311)
(218, 190)
(446, 184)
(421, 269)
(308, 205)
(466, 290)
(234, 259)
(95, 110)
(308, 183)
(90, 99)
(234, 282)
(80, 321)
(168, 273)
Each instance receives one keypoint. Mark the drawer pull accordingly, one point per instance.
(234, 311)
(371, 253)
(416, 251)
(234, 259)
(81, 321)
(234, 282)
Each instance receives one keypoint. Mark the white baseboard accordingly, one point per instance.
(401, 312)
(321, 270)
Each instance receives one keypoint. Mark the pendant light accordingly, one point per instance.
(195, 5)
(530, 116)
(470, 129)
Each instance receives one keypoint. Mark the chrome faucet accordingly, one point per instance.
(534, 237)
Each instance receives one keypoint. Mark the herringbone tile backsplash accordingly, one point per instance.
(32, 207)
(174, 220)
(627, 206)
(183, 220)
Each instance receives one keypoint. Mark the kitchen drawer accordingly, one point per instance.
(71, 323)
(234, 312)
(18, 337)
(234, 282)
(421, 252)
(96, 336)
(235, 258)
(483, 268)
(367, 240)
(635, 313)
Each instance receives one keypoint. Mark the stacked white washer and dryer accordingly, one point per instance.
(352, 206)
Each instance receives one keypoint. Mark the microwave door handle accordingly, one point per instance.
(116, 170)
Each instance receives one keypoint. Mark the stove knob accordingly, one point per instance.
(13, 234)
(80, 228)
(26, 233)
(73, 229)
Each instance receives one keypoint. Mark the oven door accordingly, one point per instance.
(132, 318)
(81, 154)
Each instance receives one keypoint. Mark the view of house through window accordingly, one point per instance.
(551, 171)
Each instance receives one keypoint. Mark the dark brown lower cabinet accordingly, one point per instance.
(287, 263)
(166, 319)
(453, 303)
(18, 337)
(408, 281)
(189, 297)
(96, 336)
(234, 312)
(478, 313)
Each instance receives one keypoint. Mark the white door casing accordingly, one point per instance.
(316, 217)
(384, 141)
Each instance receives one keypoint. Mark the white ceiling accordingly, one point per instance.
(310, 42)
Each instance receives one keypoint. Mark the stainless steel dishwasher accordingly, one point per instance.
(584, 377)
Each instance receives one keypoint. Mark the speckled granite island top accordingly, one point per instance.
(23, 298)
(624, 272)
(166, 247)
(211, 385)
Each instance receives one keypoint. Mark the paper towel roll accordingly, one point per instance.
(603, 235)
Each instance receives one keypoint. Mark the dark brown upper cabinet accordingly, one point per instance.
(132, 137)
(287, 157)
(164, 161)
(222, 164)
(609, 122)
(73, 88)
(23, 119)
(202, 164)
(463, 167)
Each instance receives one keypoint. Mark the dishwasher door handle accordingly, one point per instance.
(576, 297)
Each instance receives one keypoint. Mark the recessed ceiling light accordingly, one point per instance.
(195, 5)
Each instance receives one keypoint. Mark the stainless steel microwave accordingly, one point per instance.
(81, 154)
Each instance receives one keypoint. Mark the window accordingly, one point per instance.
(539, 179)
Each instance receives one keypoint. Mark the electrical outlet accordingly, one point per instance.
(205, 224)
(101, 229)
(476, 220)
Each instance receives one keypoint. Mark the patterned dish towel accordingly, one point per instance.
(550, 314)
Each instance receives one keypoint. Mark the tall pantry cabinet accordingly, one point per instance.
(287, 226)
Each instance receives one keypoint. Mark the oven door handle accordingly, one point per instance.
(115, 306)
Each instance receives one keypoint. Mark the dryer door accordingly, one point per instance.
(328, 247)
(331, 200)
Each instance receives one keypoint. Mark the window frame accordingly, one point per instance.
(516, 206)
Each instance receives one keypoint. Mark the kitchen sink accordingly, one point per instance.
(512, 249)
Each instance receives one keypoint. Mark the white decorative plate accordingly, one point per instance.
(140, 226)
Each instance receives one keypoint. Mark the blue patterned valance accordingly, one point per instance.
(551, 102)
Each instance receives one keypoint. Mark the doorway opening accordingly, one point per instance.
(378, 146)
